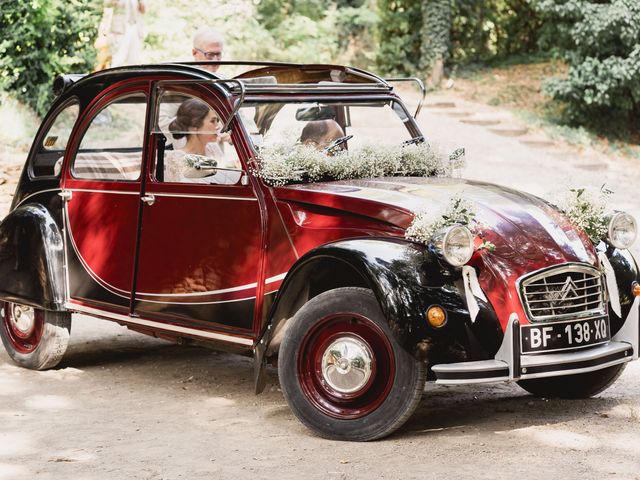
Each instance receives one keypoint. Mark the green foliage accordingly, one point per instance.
(495, 29)
(601, 42)
(319, 30)
(40, 39)
(272, 13)
(356, 28)
(399, 31)
(413, 34)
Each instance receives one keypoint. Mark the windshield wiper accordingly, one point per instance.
(414, 141)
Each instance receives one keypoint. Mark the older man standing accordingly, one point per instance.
(208, 45)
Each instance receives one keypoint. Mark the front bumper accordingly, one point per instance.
(510, 365)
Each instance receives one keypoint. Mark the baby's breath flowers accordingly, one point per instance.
(458, 211)
(427, 223)
(587, 209)
(280, 165)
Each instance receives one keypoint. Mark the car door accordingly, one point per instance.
(101, 186)
(201, 241)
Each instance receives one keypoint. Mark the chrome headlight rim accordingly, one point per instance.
(442, 239)
(615, 220)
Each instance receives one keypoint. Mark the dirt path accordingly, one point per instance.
(127, 406)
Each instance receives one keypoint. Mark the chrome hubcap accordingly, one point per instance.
(347, 364)
(23, 320)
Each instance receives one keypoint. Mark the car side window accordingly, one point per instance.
(111, 146)
(47, 161)
(196, 150)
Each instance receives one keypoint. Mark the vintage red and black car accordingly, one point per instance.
(312, 274)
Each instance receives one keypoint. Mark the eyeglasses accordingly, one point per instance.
(209, 55)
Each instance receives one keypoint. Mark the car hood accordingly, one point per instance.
(529, 234)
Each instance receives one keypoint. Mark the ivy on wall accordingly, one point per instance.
(436, 32)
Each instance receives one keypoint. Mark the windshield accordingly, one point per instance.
(320, 124)
(339, 140)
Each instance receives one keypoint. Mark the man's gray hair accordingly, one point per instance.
(207, 34)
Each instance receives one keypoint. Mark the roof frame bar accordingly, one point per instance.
(420, 86)
(370, 77)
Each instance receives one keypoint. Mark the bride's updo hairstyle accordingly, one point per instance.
(190, 116)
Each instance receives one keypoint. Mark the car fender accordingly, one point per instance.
(405, 277)
(32, 258)
(626, 272)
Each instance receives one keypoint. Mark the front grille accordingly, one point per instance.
(564, 291)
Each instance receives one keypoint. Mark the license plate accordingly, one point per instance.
(552, 337)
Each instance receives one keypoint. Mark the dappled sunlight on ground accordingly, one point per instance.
(626, 412)
(628, 441)
(63, 374)
(218, 402)
(556, 437)
(73, 455)
(15, 443)
(167, 411)
(11, 472)
(48, 402)
(9, 385)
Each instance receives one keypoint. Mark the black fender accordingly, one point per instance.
(627, 272)
(406, 279)
(32, 258)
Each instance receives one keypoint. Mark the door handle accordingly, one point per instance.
(148, 199)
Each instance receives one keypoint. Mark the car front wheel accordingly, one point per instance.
(35, 339)
(581, 385)
(343, 373)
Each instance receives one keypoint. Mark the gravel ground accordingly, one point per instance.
(127, 406)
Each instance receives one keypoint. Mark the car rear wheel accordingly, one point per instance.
(581, 385)
(34, 338)
(343, 373)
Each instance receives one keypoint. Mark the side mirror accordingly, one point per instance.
(317, 112)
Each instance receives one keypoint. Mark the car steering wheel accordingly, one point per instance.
(336, 143)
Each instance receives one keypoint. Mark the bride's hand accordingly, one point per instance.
(224, 138)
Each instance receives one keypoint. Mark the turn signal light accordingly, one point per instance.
(635, 289)
(436, 316)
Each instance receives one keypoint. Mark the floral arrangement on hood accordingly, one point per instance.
(280, 165)
(588, 210)
(458, 211)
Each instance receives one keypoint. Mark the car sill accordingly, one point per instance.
(193, 332)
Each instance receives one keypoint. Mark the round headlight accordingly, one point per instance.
(455, 244)
(622, 230)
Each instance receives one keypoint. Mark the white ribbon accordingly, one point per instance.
(472, 290)
(612, 286)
